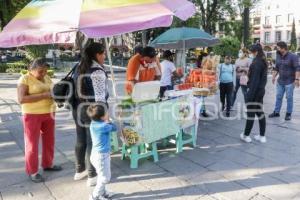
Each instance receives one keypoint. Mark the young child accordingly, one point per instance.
(101, 129)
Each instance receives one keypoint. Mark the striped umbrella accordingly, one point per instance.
(57, 21)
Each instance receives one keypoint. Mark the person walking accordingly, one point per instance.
(242, 65)
(38, 109)
(226, 78)
(258, 73)
(91, 86)
(288, 68)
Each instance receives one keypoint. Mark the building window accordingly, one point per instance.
(267, 37)
(278, 19)
(278, 36)
(288, 36)
(256, 21)
(267, 20)
(290, 18)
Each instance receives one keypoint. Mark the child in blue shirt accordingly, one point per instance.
(100, 129)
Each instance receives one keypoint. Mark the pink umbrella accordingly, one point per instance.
(57, 21)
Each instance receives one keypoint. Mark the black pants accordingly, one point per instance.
(255, 108)
(163, 89)
(226, 93)
(83, 145)
(237, 87)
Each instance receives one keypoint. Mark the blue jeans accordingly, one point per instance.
(101, 162)
(289, 90)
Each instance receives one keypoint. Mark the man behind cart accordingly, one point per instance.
(142, 67)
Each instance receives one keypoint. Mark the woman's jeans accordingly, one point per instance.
(83, 146)
(237, 87)
(289, 90)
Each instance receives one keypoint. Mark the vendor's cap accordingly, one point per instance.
(255, 48)
(167, 54)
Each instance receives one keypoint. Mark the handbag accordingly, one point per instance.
(63, 91)
(244, 80)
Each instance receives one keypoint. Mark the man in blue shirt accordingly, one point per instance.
(288, 69)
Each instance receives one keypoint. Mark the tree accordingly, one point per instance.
(244, 10)
(293, 46)
(9, 9)
(229, 47)
(211, 11)
(233, 28)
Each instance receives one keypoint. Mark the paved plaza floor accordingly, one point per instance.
(221, 167)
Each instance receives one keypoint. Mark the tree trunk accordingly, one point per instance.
(246, 19)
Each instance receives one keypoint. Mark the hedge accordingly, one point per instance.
(14, 67)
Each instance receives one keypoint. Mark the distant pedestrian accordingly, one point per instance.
(227, 78)
(288, 68)
(38, 110)
(100, 129)
(258, 73)
(242, 65)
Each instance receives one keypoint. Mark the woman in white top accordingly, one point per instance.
(242, 65)
(168, 70)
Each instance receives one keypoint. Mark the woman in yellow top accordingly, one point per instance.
(38, 108)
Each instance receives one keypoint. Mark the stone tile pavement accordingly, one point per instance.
(221, 167)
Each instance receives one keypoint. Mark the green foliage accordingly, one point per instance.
(36, 51)
(14, 67)
(293, 46)
(233, 28)
(67, 58)
(9, 9)
(194, 22)
(229, 46)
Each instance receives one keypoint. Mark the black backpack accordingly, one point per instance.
(63, 91)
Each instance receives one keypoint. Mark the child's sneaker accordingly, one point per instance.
(109, 194)
(92, 182)
(246, 139)
(261, 139)
(98, 198)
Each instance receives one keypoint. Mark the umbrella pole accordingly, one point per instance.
(184, 58)
(111, 68)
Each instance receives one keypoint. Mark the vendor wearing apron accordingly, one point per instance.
(142, 68)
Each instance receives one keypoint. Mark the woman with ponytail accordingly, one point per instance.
(91, 86)
(255, 94)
